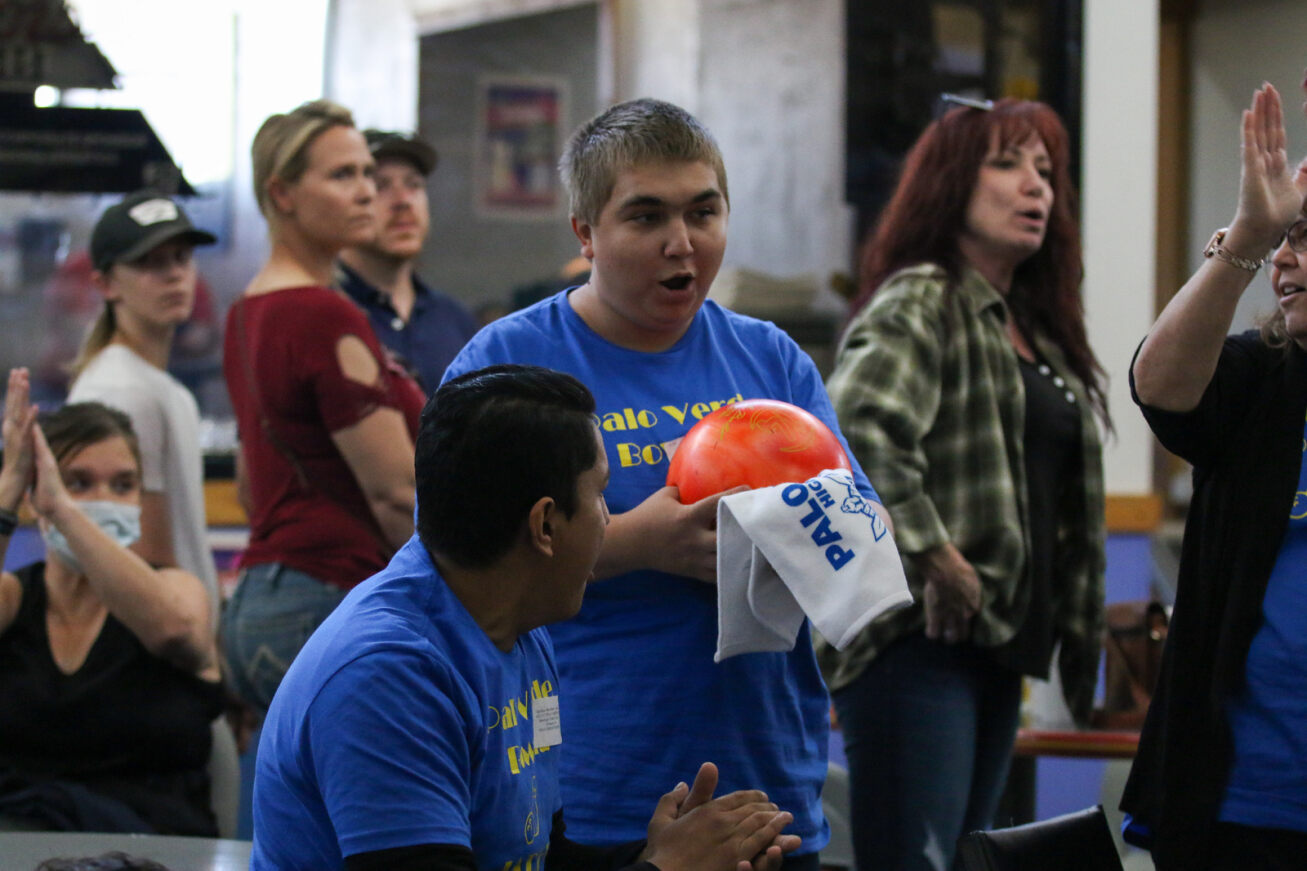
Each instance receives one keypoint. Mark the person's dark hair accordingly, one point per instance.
(114, 861)
(79, 425)
(491, 443)
(927, 214)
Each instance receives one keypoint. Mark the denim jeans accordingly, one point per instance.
(928, 730)
(271, 614)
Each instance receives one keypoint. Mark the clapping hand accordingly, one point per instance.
(740, 831)
(19, 424)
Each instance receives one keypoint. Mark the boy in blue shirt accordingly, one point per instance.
(649, 207)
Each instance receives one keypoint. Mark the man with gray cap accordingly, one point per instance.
(424, 328)
(141, 252)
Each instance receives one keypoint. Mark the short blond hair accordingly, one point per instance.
(631, 134)
(281, 147)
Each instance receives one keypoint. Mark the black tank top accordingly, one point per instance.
(126, 724)
(1053, 462)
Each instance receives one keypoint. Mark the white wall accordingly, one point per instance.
(772, 91)
(273, 74)
(656, 51)
(1119, 205)
(372, 62)
(438, 16)
(1238, 44)
(767, 77)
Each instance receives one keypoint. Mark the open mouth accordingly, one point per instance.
(677, 282)
(1033, 215)
(1290, 289)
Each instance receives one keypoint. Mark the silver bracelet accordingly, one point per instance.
(1216, 249)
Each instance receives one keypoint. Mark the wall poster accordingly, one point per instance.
(519, 141)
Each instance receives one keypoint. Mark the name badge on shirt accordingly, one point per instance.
(546, 721)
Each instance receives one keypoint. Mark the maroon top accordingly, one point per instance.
(308, 511)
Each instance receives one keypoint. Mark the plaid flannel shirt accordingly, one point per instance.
(928, 392)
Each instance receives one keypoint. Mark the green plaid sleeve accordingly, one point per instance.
(885, 389)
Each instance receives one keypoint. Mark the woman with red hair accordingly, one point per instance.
(968, 391)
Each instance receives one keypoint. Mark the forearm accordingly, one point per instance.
(625, 548)
(1178, 358)
(883, 513)
(166, 616)
(394, 514)
(243, 495)
(379, 454)
(155, 544)
(11, 496)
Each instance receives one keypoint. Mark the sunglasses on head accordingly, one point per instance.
(948, 101)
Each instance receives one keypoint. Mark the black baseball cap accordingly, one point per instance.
(386, 144)
(136, 226)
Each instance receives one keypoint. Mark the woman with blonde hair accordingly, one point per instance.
(141, 251)
(326, 421)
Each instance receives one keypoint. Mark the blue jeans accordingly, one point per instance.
(928, 730)
(272, 613)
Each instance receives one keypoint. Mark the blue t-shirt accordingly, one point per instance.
(401, 723)
(1268, 719)
(646, 704)
(436, 329)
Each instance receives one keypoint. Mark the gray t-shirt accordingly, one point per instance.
(167, 424)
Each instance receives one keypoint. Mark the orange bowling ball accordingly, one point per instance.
(758, 442)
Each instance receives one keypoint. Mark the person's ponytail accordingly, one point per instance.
(97, 339)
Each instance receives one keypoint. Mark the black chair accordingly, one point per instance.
(1081, 841)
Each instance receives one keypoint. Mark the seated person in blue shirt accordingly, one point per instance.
(419, 726)
(425, 329)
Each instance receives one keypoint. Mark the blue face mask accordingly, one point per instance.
(120, 522)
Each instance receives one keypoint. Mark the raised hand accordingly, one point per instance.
(48, 490)
(1270, 191)
(19, 422)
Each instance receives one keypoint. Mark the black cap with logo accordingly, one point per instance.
(388, 145)
(136, 226)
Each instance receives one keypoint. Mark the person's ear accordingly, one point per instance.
(279, 194)
(585, 233)
(540, 525)
(104, 285)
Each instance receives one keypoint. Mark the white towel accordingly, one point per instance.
(815, 548)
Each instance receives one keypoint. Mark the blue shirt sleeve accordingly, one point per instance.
(391, 754)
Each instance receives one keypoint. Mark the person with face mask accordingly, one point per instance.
(108, 666)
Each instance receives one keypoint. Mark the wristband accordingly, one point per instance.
(8, 522)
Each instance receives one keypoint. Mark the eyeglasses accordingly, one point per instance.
(1296, 236)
